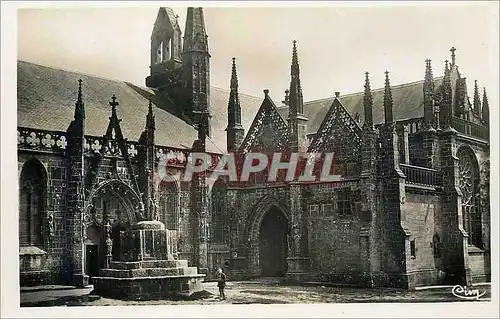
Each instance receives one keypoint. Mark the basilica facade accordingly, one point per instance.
(411, 206)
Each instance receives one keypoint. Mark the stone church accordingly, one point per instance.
(411, 207)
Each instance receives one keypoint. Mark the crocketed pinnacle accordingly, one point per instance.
(79, 105)
(388, 99)
(477, 100)
(368, 101)
(150, 119)
(233, 106)
(296, 99)
(429, 78)
(486, 108)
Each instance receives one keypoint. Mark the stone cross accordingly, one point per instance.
(453, 55)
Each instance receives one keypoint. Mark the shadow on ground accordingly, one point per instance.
(83, 300)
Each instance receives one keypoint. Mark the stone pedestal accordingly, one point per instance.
(33, 268)
(298, 269)
(147, 269)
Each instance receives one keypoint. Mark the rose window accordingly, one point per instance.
(465, 179)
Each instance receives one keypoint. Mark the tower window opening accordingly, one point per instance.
(159, 53)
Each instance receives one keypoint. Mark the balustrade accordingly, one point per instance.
(417, 175)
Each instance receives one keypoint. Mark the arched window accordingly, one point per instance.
(218, 202)
(32, 198)
(168, 204)
(436, 245)
(468, 184)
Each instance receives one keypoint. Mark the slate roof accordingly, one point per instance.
(408, 103)
(46, 99)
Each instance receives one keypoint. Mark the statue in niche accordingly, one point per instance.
(109, 245)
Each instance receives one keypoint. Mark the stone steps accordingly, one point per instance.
(123, 265)
(149, 272)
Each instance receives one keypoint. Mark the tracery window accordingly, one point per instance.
(219, 214)
(468, 184)
(169, 204)
(32, 197)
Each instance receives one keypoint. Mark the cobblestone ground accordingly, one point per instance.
(260, 292)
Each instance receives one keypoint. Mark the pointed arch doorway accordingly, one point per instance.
(273, 248)
(112, 202)
(268, 238)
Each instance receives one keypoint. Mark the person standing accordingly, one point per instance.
(221, 283)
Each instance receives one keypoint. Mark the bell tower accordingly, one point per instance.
(166, 49)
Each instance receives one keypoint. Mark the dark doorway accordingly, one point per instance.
(273, 247)
(92, 260)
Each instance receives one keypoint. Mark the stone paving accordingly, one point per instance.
(256, 292)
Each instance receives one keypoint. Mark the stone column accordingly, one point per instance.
(74, 222)
(298, 254)
(75, 197)
(395, 233)
(369, 235)
(200, 216)
(454, 237)
(430, 148)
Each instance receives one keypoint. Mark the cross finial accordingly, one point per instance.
(453, 55)
(113, 102)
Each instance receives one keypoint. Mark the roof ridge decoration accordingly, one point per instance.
(269, 131)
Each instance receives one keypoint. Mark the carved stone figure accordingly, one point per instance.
(109, 245)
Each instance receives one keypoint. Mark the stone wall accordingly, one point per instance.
(53, 233)
(333, 235)
(422, 208)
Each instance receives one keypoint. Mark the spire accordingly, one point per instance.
(429, 117)
(79, 105)
(429, 78)
(195, 35)
(233, 106)
(234, 76)
(295, 97)
(150, 119)
(453, 56)
(486, 108)
(196, 72)
(477, 100)
(387, 99)
(445, 107)
(368, 102)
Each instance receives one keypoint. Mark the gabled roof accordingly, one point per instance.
(169, 15)
(47, 96)
(408, 103)
(46, 99)
(266, 123)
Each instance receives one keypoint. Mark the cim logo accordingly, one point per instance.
(467, 293)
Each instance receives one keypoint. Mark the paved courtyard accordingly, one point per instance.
(260, 291)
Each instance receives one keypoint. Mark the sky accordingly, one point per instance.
(337, 42)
